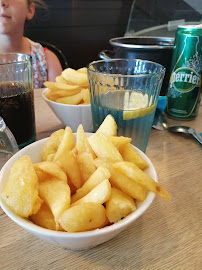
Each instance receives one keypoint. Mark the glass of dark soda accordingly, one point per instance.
(16, 96)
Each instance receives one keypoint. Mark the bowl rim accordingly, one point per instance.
(35, 229)
(61, 104)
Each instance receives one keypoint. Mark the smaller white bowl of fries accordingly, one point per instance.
(69, 98)
(78, 190)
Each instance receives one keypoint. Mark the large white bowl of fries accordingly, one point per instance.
(78, 190)
(69, 98)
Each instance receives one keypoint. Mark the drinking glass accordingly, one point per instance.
(16, 96)
(128, 89)
(8, 144)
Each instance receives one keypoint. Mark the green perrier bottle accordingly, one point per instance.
(186, 71)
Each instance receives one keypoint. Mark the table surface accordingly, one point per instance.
(167, 236)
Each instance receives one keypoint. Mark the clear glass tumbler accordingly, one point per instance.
(8, 144)
(128, 89)
(16, 96)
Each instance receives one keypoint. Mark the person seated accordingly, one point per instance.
(13, 16)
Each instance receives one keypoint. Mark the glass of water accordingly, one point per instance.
(128, 89)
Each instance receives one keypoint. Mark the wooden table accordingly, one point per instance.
(167, 236)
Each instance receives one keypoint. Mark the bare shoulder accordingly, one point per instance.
(50, 56)
(53, 65)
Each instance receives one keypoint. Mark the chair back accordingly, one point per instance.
(57, 52)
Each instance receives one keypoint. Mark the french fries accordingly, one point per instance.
(129, 154)
(96, 178)
(66, 144)
(86, 164)
(52, 169)
(108, 126)
(103, 147)
(119, 205)
(56, 194)
(51, 146)
(82, 143)
(100, 194)
(81, 183)
(22, 181)
(68, 161)
(86, 217)
(74, 77)
(44, 218)
(133, 172)
(71, 87)
(127, 185)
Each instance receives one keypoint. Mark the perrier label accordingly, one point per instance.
(184, 92)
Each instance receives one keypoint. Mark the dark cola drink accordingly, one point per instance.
(17, 110)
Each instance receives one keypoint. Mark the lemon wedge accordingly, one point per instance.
(137, 105)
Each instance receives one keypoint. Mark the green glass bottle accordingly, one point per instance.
(183, 98)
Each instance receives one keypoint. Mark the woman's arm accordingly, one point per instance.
(54, 67)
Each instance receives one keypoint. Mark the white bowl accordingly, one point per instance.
(79, 240)
(71, 115)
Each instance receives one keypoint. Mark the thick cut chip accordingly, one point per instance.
(86, 165)
(100, 194)
(108, 126)
(55, 86)
(52, 144)
(103, 147)
(95, 179)
(86, 95)
(42, 176)
(51, 86)
(37, 205)
(65, 93)
(129, 154)
(56, 194)
(86, 217)
(82, 70)
(119, 141)
(127, 185)
(75, 77)
(50, 157)
(53, 93)
(67, 87)
(132, 171)
(67, 143)
(70, 166)
(51, 168)
(44, 218)
(51, 96)
(20, 192)
(82, 143)
(119, 205)
(74, 150)
(71, 186)
(72, 100)
(103, 162)
(60, 79)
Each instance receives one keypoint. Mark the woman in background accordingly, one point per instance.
(13, 15)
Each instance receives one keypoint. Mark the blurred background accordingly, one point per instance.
(80, 28)
(83, 28)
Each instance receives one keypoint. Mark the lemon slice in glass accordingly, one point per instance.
(137, 105)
